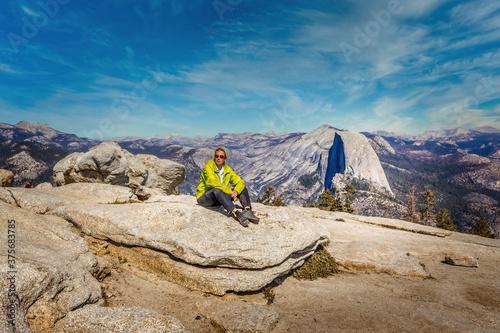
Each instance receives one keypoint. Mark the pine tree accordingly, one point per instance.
(444, 220)
(337, 202)
(312, 204)
(426, 212)
(348, 193)
(411, 208)
(482, 228)
(304, 204)
(270, 197)
(277, 201)
(326, 200)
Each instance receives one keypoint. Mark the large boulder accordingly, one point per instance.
(372, 256)
(50, 266)
(237, 316)
(44, 186)
(215, 280)
(6, 178)
(203, 249)
(108, 163)
(44, 199)
(96, 319)
(162, 174)
(197, 235)
(51, 275)
(12, 314)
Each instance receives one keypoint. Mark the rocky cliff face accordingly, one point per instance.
(6, 178)
(304, 165)
(53, 277)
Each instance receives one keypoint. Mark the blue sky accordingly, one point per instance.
(114, 68)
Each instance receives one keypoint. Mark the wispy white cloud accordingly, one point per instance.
(472, 40)
(460, 104)
(7, 69)
(455, 116)
(328, 108)
(475, 12)
(420, 8)
(395, 57)
(402, 51)
(283, 63)
(483, 63)
(388, 106)
(28, 11)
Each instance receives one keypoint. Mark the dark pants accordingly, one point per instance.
(216, 197)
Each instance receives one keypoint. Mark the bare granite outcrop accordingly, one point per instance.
(50, 268)
(96, 319)
(171, 236)
(62, 232)
(109, 164)
(6, 178)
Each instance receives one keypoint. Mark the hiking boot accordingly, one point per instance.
(241, 218)
(250, 216)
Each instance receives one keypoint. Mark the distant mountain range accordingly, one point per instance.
(45, 135)
(29, 161)
(462, 166)
(298, 165)
(482, 141)
(442, 134)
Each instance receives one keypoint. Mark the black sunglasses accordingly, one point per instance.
(221, 156)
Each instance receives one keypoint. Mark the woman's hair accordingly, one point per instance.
(223, 150)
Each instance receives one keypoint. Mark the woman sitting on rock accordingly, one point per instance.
(213, 189)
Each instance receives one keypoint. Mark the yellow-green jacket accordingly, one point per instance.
(210, 178)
